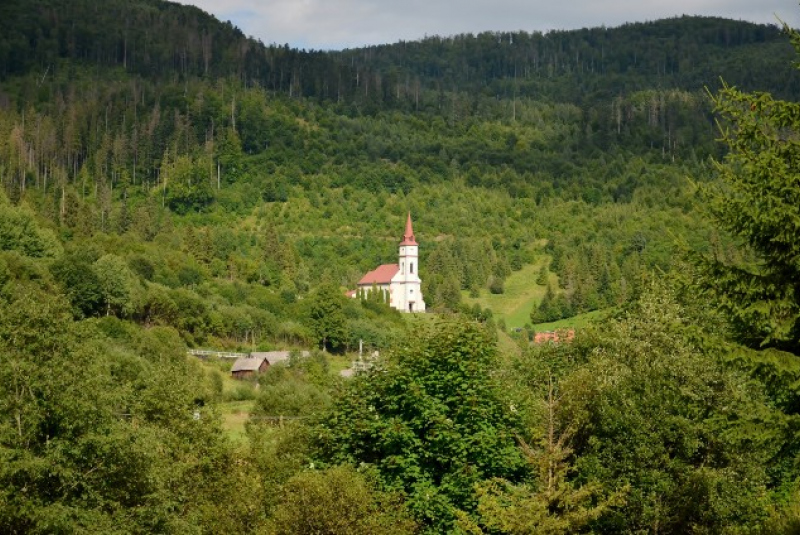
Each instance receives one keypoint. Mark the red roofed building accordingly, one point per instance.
(401, 281)
(562, 335)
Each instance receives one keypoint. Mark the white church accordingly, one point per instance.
(400, 280)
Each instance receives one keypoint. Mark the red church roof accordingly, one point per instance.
(408, 236)
(380, 275)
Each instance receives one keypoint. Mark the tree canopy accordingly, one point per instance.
(432, 422)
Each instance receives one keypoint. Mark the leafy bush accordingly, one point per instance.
(290, 397)
(496, 285)
(338, 500)
(244, 391)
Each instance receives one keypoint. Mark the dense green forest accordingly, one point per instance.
(169, 183)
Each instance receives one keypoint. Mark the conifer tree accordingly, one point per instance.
(559, 505)
(541, 279)
(758, 202)
(546, 311)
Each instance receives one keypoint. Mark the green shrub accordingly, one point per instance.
(244, 391)
(338, 500)
(291, 397)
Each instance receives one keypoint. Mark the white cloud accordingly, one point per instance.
(335, 24)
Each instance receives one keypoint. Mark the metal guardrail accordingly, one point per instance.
(202, 353)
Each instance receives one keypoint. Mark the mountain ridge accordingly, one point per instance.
(163, 39)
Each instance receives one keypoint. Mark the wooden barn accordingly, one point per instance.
(259, 361)
(247, 366)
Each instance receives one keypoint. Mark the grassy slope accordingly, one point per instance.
(521, 294)
(506, 345)
(234, 417)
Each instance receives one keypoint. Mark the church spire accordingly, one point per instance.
(408, 236)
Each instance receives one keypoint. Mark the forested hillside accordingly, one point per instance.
(164, 112)
(169, 183)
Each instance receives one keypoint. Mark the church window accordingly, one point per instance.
(411, 268)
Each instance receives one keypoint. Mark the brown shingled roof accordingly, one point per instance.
(247, 364)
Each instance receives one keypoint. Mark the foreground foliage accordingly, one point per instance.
(338, 501)
(649, 416)
(99, 433)
(432, 422)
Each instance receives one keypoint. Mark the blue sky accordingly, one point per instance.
(337, 24)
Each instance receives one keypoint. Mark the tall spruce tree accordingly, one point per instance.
(757, 200)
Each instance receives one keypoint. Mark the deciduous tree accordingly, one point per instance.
(327, 317)
(432, 421)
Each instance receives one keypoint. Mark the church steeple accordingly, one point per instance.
(408, 236)
(406, 288)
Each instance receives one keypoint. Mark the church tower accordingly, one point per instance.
(406, 285)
